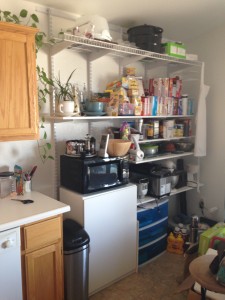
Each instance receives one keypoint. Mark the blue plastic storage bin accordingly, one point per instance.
(149, 252)
(153, 232)
(152, 215)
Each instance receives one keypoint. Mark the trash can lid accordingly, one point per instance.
(74, 235)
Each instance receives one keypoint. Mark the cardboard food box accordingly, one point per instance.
(174, 49)
(206, 236)
(125, 82)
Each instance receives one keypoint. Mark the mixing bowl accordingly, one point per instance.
(149, 149)
(118, 147)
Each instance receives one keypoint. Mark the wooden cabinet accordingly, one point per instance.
(42, 261)
(18, 83)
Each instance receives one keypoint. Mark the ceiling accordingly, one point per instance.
(181, 20)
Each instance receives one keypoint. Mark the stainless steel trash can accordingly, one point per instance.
(76, 260)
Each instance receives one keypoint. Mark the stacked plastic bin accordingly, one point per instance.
(153, 224)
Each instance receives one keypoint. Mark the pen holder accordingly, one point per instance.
(27, 186)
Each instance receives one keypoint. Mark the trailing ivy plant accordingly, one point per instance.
(44, 83)
(25, 19)
(44, 86)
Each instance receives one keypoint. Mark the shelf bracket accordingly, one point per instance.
(98, 54)
(129, 60)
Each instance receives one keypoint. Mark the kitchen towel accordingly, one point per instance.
(200, 136)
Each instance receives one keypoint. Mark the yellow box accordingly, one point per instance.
(133, 84)
(132, 92)
(130, 71)
(207, 235)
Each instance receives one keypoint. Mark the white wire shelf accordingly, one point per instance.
(79, 43)
(149, 199)
(96, 118)
(162, 157)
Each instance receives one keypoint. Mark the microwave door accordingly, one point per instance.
(101, 176)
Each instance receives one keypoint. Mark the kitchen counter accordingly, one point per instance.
(15, 213)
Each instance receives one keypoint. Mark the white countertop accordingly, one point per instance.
(15, 213)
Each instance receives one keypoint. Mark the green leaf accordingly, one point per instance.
(45, 135)
(49, 146)
(16, 19)
(34, 18)
(51, 157)
(23, 13)
(6, 13)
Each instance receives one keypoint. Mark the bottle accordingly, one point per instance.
(170, 242)
(85, 96)
(92, 145)
(88, 144)
(150, 131)
(176, 231)
(179, 245)
(184, 101)
(194, 230)
(184, 234)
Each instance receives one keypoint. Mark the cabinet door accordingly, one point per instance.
(18, 100)
(44, 278)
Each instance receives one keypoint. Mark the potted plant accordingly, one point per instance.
(66, 95)
(64, 91)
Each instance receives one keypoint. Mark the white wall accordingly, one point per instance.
(211, 49)
(25, 153)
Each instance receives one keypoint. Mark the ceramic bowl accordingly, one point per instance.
(118, 147)
(94, 106)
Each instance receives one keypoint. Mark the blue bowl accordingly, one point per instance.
(95, 106)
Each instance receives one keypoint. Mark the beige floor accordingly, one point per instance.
(157, 280)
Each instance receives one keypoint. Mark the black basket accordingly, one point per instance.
(146, 37)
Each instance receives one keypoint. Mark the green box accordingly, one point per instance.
(206, 236)
(174, 49)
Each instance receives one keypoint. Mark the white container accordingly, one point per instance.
(168, 129)
(184, 104)
(27, 186)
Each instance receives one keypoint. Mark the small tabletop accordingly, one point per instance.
(199, 269)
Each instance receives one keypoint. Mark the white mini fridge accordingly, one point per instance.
(110, 219)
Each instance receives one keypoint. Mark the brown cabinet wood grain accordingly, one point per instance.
(18, 83)
(42, 260)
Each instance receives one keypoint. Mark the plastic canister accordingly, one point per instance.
(7, 183)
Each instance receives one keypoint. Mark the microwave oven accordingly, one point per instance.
(92, 174)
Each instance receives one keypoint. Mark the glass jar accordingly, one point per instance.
(7, 183)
